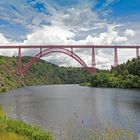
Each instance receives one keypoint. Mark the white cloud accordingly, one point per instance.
(120, 39)
(3, 40)
(104, 38)
(49, 35)
(129, 32)
(76, 25)
(57, 34)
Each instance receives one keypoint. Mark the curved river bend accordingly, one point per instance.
(66, 109)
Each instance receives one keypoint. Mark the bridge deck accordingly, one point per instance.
(68, 46)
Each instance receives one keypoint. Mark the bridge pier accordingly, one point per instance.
(93, 61)
(115, 57)
(19, 67)
(68, 50)
(71, 49)
(137, 53)
(40, 51)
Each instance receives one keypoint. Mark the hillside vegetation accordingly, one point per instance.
(40, 73)
(126, 75)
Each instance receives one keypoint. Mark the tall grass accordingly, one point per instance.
(105, 132)
(18, 130)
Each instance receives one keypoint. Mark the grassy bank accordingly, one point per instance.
(41, 73)
(18, 130)
(106, 131)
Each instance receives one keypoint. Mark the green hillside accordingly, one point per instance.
(126, 75)
(39, 74)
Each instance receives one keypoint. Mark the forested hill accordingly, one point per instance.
(39, 74)
(126, 75)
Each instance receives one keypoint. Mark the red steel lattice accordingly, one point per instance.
(48, 49)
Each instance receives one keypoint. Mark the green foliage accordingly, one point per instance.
(40, 73)
(20, 128)
(3, 89)
(85, 84)
(105, 79)
(24, 129)
(126, 75)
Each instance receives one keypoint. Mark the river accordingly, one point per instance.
(68, 109)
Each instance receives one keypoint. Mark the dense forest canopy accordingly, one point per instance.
(126, 75)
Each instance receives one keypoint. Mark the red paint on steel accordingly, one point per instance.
(115, 57)
(93, 63)
(19, 68)
(69, 46)
(63, 49)
(137, 52)
(55, 50)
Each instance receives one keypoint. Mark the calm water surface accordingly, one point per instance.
(68, 108)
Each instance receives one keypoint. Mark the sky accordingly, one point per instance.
(105, 22)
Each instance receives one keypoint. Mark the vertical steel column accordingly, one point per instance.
(19, 69)
(40, 51)
(137, 52)
(93, 63)
(72, 49)
(115, 57)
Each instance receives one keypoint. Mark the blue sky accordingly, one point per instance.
(70, 22)
(35, 13)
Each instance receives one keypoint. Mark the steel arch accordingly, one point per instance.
(56, 50)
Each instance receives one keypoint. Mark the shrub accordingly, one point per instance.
(3, 89)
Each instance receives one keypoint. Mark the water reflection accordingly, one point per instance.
(56, 106)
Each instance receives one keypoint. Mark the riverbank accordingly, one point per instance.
(18, 130)
(76, 112)
(126, 76)
(41, 73)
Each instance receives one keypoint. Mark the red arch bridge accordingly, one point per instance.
(65, 49)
